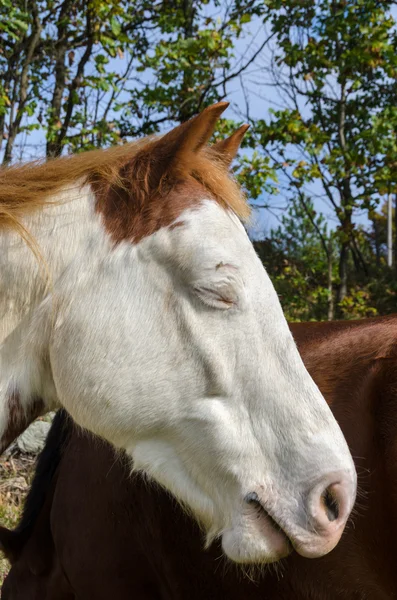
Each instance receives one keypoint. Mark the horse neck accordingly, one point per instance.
(59, 230)
(63, 231)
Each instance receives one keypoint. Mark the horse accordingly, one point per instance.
(91, 530)
(158, 329)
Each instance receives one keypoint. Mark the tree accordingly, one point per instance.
(304, 277)
(335, 67)
(90, 73)
(302, 270)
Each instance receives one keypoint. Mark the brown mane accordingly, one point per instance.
(132, 168)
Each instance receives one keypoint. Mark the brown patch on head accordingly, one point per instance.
(167, 176)
(129, 214)
(19, 418)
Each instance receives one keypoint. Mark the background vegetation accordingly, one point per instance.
(316, 79)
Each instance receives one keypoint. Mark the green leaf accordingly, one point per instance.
(115, 26)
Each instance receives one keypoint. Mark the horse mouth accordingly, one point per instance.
(253, 500)
(256, 537)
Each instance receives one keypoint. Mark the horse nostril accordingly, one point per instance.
(331, 504)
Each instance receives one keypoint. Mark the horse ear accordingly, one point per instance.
(172, 150)
(227, 149)
(192, 135)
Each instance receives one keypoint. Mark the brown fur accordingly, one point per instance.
(227, 149)
(116, 536)
(132, 210)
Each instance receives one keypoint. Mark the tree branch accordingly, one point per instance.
(76, 82)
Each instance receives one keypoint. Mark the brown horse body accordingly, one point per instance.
(91, 531)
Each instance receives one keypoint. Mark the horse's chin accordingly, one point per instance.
(255, 539)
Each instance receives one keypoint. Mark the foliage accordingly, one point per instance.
(297, 262)
(89, 73)
(336, 68)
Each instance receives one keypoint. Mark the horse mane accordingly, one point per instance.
(13, 541)
(27, 188)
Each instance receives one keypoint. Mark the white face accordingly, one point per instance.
(178, 351)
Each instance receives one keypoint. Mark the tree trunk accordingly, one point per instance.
(389, 231)
(330, 291)
(375, 225)
(345, 192)
(187, 108)
(32, 43)
(76, 83)
(395, 232)
(12, 131)
(6, 85)
(54, 147)
(343, 256)
(9, 146)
